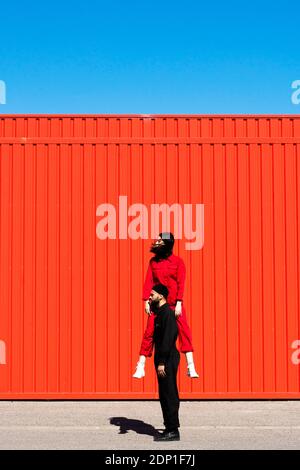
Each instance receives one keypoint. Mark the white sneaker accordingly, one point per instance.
(140, 371)
(192, 371)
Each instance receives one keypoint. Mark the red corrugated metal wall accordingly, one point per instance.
(71, 315)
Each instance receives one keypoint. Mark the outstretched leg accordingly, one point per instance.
(190, 365)
(146, 348)
(186, 346)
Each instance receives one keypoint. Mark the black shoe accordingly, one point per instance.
(168, 436)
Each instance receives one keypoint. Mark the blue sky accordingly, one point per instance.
(152, 57)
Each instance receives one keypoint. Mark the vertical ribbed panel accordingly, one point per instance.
(71, 315)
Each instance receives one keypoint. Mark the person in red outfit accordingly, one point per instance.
(167, 269)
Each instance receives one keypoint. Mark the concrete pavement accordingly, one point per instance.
(118, 425)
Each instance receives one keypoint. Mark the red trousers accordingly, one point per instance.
(184, 334)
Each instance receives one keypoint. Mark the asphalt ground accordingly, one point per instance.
(120, 425)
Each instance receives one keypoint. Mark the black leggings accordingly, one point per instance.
(168, 392)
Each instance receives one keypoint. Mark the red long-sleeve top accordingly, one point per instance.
(170, 272)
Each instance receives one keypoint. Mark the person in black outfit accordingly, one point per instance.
(166, 360)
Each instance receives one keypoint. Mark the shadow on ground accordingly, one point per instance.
(140, 427)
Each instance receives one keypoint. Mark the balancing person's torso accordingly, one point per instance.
(165, 271)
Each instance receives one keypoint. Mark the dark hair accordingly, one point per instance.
(169, 240)
(161, 289)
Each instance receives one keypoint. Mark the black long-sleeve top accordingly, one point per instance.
(165, 333)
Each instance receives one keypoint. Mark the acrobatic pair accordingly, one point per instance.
(167, 269)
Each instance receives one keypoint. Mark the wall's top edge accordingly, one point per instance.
(237, 116)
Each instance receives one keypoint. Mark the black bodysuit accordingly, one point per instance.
(166, 353)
